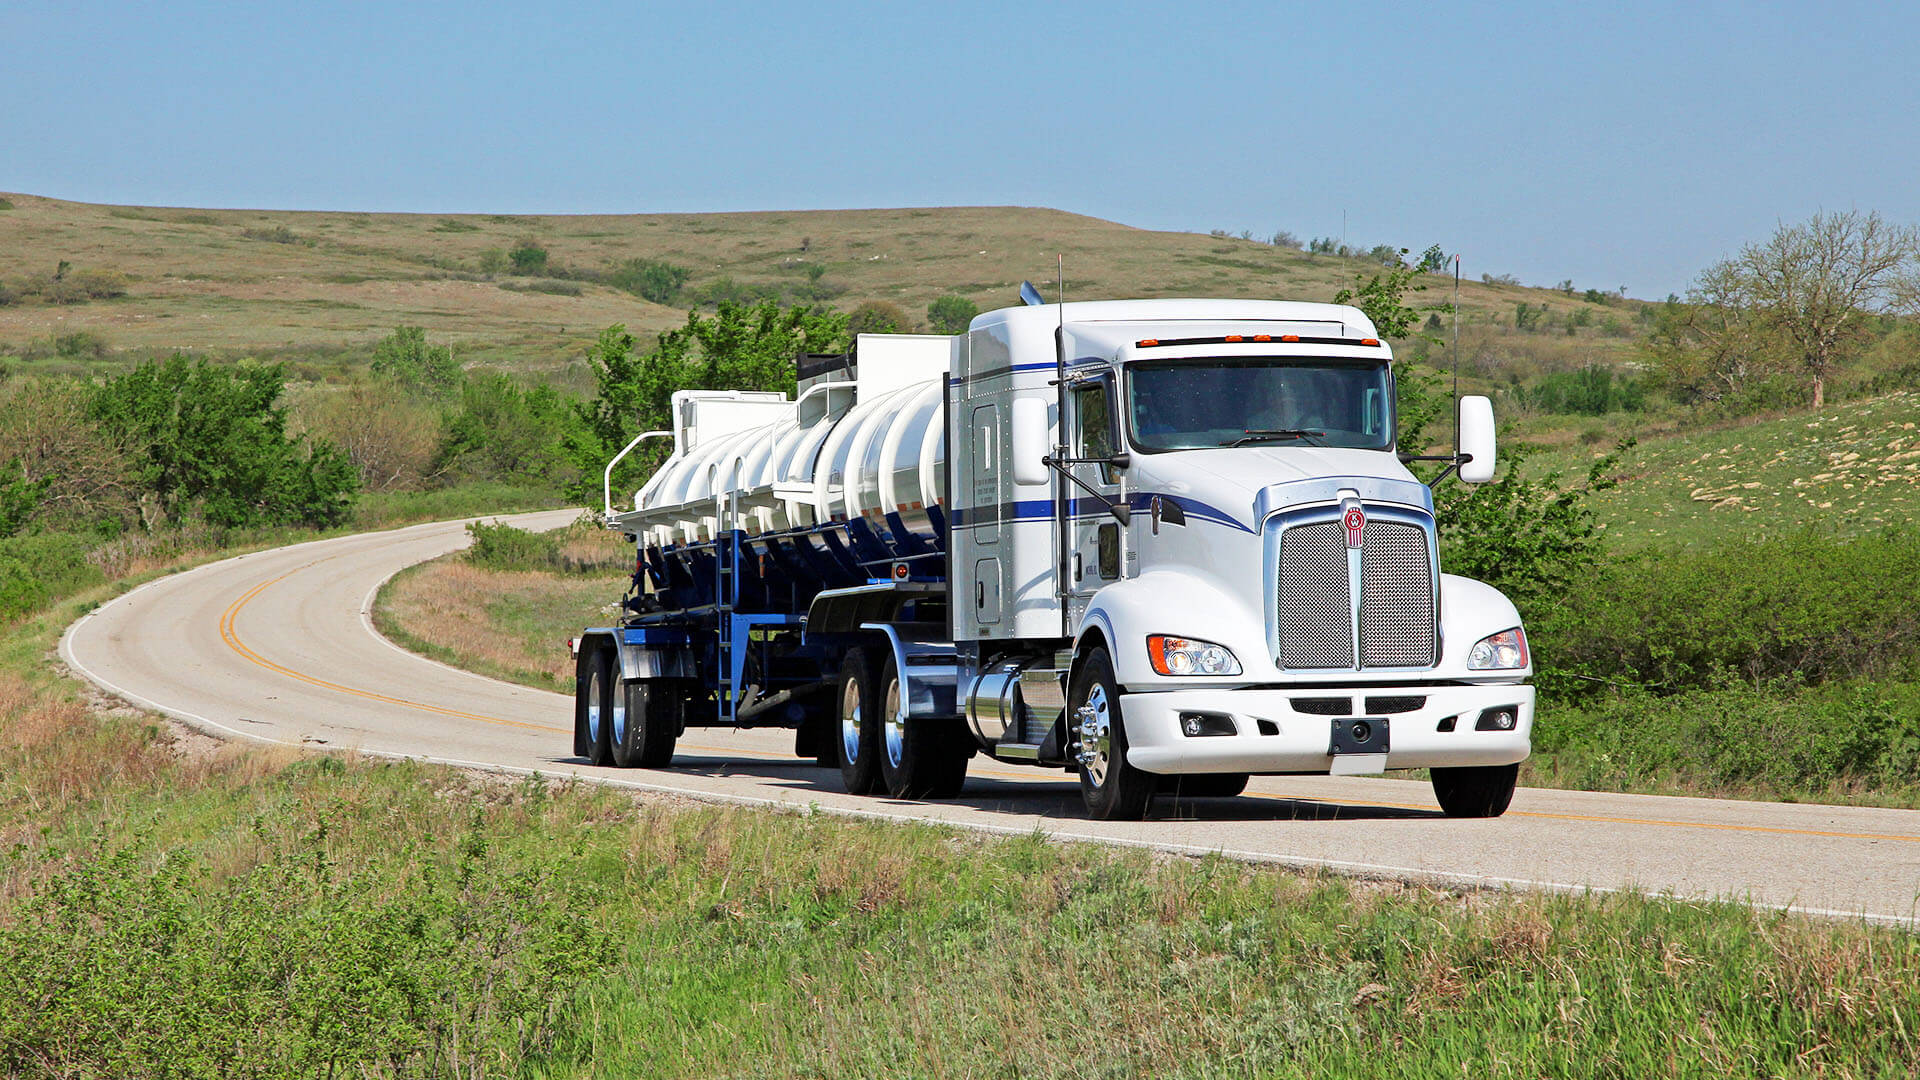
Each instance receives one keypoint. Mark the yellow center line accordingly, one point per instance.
(232, 638)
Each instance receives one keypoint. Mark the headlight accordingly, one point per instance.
(1505, 650)
(1184, 656)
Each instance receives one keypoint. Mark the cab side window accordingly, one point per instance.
(1094, 434)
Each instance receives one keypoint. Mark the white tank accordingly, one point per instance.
(868, 448)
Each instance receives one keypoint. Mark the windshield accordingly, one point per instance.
(1190, 404)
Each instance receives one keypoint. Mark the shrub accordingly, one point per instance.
(500, 431)
(273, 234)
(390, 438)
(528, 258)
(406, 358)
(214, 439)
(952, 313)
(1590, 391)
(494, 261)
(499, 546)
(650, 279)
(544, 285)
(879, 317)
(39, 569)
(1759, 740)
(6, 204)
(1530, 538)
(1809, 606)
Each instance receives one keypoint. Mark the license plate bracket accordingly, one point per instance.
(1360, 735)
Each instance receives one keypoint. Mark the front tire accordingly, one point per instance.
(918, 760)
(647, 724)
(1113, 789)
(1475, 791)
(857, 733)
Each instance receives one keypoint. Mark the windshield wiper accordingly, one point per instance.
(1277, 433)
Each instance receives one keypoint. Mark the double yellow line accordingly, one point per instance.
(232, 638)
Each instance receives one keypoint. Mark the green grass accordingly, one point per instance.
(1854, 467)
(264, 913)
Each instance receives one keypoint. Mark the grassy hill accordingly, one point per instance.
(258, 281)
(1853, 467)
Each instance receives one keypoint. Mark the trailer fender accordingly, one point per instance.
(929, 668)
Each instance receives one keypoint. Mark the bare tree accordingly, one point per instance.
(1717, 342)
(1813, 283)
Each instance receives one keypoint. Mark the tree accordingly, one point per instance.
(84, 481)
(389, 438)
(951, 314)
(500, 430)
(20, 496)
(1433, 261)
(214, 439)
(406, 358)
(736, 348)
(1418, 398)
(1716, 344)
(1815, 282)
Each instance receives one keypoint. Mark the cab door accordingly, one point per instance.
(1095, 557)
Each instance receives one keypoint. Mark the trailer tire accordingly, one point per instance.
(592, 739)
(1475, 791)
(1113, 789)
(919, 759)
(856, 733)
(1205, 785)
(646, 726)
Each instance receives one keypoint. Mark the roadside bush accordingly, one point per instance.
(1590, 391)
(501, 431)
(36, 570)
(1769, 741)
(499, 546)
(1808, 605)
(1532, 539)
(390, 438)
(650, 279)
(214, 440)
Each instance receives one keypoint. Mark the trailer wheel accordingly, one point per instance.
(1475, 791)
(1205, 785)
(918, 760)
(648, 722)
(1113, 789)
(592, 737)
(859, 728)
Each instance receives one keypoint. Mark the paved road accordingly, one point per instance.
(278, 646)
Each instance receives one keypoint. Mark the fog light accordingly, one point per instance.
(1197, 724)
(1500, 718)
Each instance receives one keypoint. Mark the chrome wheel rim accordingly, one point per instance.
(593, 707)
(896, 725)
(620, 716)
(850, 722)
(1095, 722)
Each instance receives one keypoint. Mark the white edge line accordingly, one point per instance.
(1351, 868)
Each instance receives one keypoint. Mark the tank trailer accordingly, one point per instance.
(1148, 542)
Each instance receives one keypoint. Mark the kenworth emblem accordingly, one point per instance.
(1356, 522)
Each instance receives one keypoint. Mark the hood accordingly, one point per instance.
(1227, 482)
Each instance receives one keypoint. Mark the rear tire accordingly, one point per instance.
(1476, 791)
(857, 728)
(921, 759)
(646, 725)
(592, 734)
(1113, 789)
(1204, 785)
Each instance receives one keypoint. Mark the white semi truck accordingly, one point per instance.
(1162, 544)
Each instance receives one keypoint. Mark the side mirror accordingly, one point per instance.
(1476, 440)
(1027, 442)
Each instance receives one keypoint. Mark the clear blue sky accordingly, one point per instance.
(1613, 143)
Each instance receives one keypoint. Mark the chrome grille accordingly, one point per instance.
(1315, 605)
(1396, 591)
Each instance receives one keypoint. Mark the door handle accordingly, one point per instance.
(979, 594)
(1078, 570)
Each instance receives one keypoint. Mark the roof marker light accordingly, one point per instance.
(1289, 337)
(1369, 341)
(1263, 337)
(1146, 343)
(1231, 337)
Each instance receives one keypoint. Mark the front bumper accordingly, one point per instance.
(1294, 741)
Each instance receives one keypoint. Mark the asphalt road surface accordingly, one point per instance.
(279, 647)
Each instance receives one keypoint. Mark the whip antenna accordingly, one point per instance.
(1456, 354)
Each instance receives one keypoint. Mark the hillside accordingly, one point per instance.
(255, 280)
(1853, 467)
